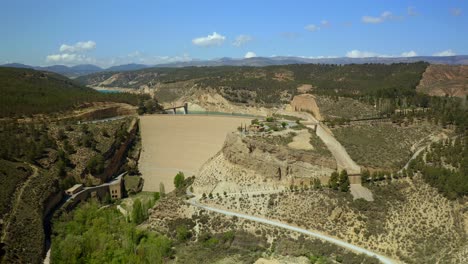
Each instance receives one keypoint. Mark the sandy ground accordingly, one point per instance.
(301, 141)
(180, 143)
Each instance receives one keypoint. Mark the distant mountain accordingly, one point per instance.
(281, 60)
(128, 67)
(85, 69)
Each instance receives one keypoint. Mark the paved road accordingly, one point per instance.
(194, 202)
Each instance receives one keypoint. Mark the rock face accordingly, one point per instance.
(441, 80)
(247, 164)
(306, 103)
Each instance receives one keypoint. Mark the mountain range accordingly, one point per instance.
(85, 69)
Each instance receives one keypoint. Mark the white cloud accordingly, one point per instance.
(78, 47)
(448, 52)
(456, 11)
(325, 23)
(241, 40)
(411, 11)
(214, 39)
(361, 54)
(312, 27)
(411, 53)
(69, 58)
(376, 20)
(367, 54)
(250, 54)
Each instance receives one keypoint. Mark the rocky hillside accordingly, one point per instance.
(442, 80)
(270, 85)
(253, 163)
(408, 220)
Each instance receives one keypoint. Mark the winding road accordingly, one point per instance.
(194, 202)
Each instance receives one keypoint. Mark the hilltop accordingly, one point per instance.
(29, 92)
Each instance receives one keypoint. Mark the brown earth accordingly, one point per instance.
(441, 80)
(306, 103)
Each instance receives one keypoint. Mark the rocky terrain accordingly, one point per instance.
(250, 163)
(442, 80)
(408, 220)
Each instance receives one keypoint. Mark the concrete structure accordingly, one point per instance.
(115, 189)
(75, 189)
(174, 108)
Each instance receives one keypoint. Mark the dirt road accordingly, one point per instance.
(194, 202)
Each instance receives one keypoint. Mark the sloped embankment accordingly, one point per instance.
(248, 164)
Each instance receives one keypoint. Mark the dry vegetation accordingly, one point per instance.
(344, 107)
(408, 220)
(214, 238)
(382, 145)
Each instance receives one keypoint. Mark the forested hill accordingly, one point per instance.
(269, 84)
(27, 92)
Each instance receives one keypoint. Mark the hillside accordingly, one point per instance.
(28, 92)
(441, 80)
(268, 85)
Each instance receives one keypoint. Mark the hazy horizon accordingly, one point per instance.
(157, 32)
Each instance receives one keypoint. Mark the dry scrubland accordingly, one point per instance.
(343, 107)
(180, 143)
(222, 239)
(408, 220)
(382, 145)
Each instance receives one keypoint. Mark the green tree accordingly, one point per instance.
(333, 181)
(95, 164)
(137, 212)
(182, 233)
(156, 196)
(179, 180)
(343, 181)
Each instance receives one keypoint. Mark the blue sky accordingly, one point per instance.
(105, 32)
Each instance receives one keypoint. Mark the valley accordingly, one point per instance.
(295, 173)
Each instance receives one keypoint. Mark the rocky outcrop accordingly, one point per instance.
(306, 103)
(250, 165)
(272, 161)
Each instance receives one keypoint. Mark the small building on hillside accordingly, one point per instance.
(75, 189)
(115, 189)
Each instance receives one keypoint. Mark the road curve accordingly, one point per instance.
(193, 201)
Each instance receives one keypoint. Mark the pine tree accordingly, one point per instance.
(343, 181)
(333, 182)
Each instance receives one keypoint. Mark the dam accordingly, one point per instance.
(173, 143)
